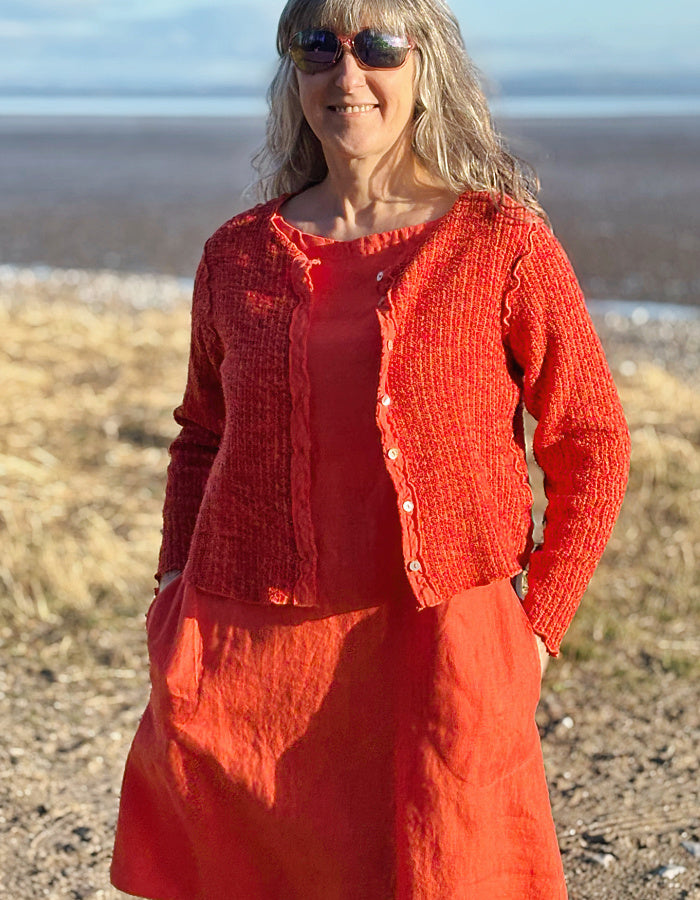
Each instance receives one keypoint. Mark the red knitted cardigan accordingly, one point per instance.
(486, 316)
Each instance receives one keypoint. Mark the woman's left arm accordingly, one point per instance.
(581, 440)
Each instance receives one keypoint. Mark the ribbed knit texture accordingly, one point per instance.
(486, 316)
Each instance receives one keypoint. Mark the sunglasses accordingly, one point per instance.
(317, 50)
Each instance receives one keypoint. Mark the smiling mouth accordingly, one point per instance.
(346, 110)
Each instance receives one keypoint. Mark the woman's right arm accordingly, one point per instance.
(201, 417)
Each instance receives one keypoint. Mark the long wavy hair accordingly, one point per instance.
(453, 133)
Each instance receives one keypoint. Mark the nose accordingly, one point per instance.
(348, 73)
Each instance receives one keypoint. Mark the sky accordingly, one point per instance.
(198, 44)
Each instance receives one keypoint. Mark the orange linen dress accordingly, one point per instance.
(361, 749)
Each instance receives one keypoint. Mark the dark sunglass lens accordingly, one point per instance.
(381, 51)
(314, 50)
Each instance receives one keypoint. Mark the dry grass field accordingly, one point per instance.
(89, 386)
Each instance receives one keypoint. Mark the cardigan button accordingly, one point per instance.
(392, 453)
(386, 400)
(414, 566)
(408, 506)
(389, 344)
(380, 275)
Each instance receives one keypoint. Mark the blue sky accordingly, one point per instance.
(195, 43)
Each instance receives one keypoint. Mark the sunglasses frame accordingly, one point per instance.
(348, 42)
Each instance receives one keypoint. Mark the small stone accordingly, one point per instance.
(83, 832)
(594, 838)
(669, 872)
(64, 848)
(600, 859)
(693, 847)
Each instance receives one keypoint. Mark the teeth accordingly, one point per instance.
(353, 109)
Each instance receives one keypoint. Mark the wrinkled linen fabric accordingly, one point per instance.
(382, 754)
(359, 749)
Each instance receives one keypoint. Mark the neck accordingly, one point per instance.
(359, 183)
(360, 197)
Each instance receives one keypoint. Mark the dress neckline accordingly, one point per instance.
(363, 245)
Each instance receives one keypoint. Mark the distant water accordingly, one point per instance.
(584, 107)
(147, 107)
(230, 107)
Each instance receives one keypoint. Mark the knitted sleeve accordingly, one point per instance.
(581, 440)
(201, 417)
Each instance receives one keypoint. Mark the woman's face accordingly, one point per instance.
(359, 113)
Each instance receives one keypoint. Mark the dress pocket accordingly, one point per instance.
(531, 637)
(481, 684)
(162, 598)
(174, 641)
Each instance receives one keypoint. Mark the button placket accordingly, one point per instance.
(413, 563)
(387, 330)
(407, 507)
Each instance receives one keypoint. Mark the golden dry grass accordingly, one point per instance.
(643, 602)
(84, 429)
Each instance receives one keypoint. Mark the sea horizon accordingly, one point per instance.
(240, 105)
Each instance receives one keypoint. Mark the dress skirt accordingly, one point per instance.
(386, 753)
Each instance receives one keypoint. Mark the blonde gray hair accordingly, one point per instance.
(453, 133)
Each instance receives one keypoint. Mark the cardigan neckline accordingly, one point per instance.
(467, 197)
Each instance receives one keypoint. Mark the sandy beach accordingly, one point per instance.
(143, 195)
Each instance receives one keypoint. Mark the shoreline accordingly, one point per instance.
(154, 290)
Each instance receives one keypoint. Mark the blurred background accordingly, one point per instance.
(126, 130)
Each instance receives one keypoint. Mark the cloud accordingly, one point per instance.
(184, 44)
(194, 43)
(39, 30)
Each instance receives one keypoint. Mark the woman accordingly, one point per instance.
(343, 677)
